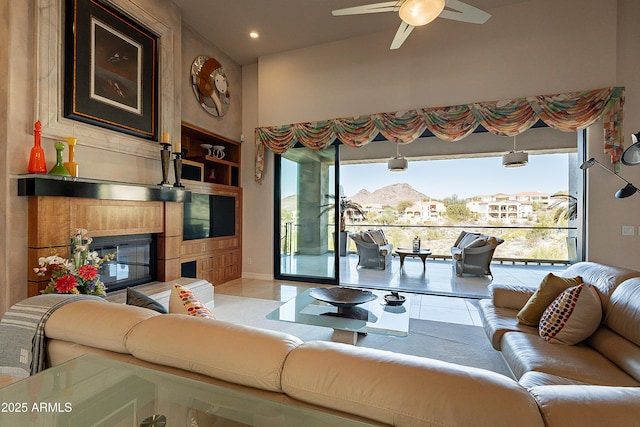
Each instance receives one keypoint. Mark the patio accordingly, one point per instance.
(437, 279)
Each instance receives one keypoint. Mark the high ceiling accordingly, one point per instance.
(287, 24)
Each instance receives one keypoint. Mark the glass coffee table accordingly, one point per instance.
(374, 317)
(95, 391)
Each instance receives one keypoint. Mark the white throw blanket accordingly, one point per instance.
(22, 339)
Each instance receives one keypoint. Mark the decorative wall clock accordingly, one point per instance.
(210, 85)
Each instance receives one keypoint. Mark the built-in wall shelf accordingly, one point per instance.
(225, 171)
(217, 197)
(60, 186)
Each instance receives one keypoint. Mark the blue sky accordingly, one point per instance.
(547, 173)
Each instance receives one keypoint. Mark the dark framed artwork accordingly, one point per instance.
(111, 70)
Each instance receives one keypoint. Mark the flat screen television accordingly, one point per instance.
(209, 215)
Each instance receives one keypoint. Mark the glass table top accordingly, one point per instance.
(94, 391)
(374, 316)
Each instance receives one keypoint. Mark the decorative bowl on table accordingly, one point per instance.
(342, 297)
(394, 299)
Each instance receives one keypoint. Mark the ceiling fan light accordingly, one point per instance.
(514, 159)
(420, 12)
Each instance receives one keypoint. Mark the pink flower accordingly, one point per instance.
(66, 284)
(88, 272)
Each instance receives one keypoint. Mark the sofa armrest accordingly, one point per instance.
(588, 405)
(510, 296)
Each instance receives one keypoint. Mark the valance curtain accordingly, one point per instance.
(567, 112)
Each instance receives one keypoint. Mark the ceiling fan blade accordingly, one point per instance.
(464, 12)
(389, 6)
(401, 35)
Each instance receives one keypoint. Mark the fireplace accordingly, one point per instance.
(142, 223)
(134, 261)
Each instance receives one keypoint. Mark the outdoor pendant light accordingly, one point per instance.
(398, 163)
(514, 159)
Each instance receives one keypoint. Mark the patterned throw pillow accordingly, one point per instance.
(549, 289)
(378, 237)
(572, 317)
(468, 238)
(183, 301)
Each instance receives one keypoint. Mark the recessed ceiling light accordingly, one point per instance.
(254, 34)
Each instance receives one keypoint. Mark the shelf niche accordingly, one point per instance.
(225, 171)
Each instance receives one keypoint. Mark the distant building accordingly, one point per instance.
(508, 207)
(423, 211)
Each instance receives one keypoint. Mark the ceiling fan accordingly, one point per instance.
(415, 13)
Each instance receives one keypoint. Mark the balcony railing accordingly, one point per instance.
(522, 244)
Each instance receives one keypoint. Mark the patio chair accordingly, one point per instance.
(374, 251)
(472, 253)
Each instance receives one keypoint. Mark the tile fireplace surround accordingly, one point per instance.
(58, 205)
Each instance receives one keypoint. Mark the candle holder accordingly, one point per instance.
(165, 159)
(177, 169)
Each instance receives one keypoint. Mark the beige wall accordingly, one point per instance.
(529, 48)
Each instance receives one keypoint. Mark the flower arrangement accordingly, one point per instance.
(77, 275)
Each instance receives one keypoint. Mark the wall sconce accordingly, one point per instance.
(631, 155)
(626, 191)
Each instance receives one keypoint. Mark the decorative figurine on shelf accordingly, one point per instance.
(37, 163)
(58, 168)
(165, 158)
(177, 164)
(218, 151)
(72, 166)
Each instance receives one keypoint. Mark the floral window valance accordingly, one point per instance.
(567, 112)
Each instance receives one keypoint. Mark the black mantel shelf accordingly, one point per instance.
(52, 185)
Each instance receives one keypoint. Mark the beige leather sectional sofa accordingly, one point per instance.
(593, 383)
(384, 388)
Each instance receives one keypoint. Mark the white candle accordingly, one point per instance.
(177, 148)
(165, 137)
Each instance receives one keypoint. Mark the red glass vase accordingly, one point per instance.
(37, 163)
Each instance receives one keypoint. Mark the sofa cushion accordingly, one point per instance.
(526, 352)
(141, 300)
(92, 323)
(230, 352)
(604, 277)
(623, 310)
(498, 320)
(572, 317)
(398, 389)
(183, 301)
(588, 405)
(549, 289)
(618, 349)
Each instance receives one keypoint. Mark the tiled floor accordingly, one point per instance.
(430, 287)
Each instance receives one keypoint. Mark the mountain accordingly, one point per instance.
(390, 195)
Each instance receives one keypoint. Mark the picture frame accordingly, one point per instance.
(111, 70)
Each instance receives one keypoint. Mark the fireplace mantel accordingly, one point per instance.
(60, 186)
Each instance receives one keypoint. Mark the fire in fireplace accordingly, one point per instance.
(134, 262)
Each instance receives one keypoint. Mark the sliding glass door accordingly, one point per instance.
(306, 229)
